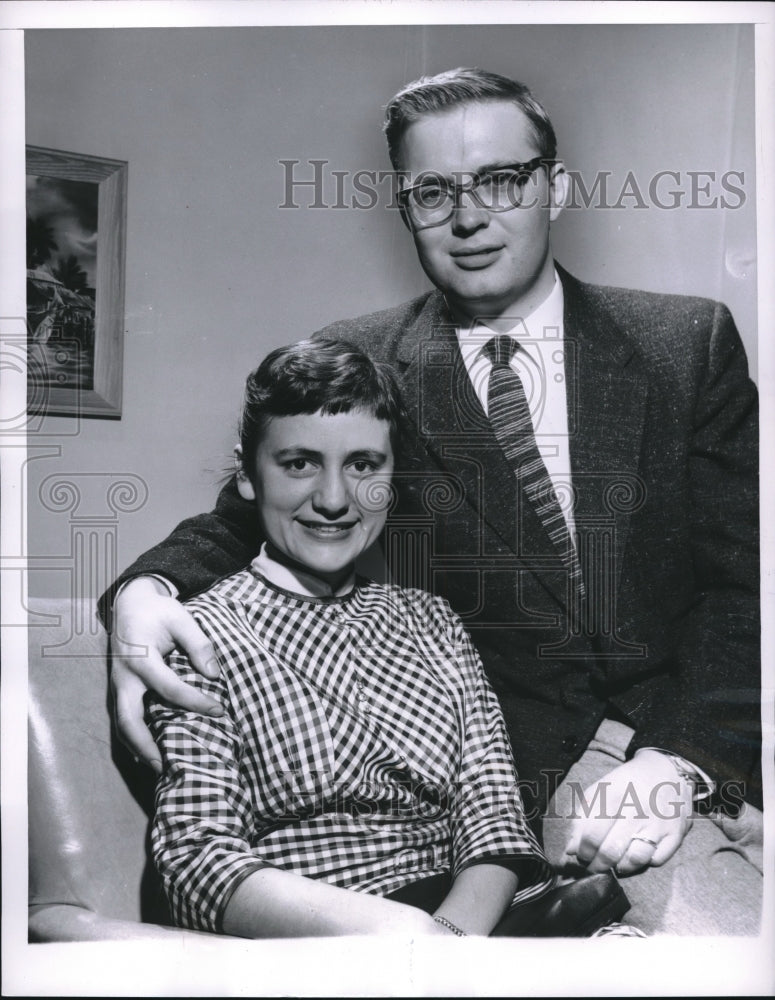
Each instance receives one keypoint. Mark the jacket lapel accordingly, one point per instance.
(608, 389)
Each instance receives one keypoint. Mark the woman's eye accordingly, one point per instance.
(298, 465)
(362, 466)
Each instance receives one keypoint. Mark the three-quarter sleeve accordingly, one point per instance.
(488, 818)
(201, 833)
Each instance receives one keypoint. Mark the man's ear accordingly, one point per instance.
(559, 188)
(244, 485)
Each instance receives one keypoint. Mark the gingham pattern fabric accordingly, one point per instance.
(361, 744)
(509, 415)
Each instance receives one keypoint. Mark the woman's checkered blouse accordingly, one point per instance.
(361, 744)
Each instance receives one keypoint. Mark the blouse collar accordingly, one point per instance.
(296, 581)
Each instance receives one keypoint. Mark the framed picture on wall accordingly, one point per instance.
(76, 227)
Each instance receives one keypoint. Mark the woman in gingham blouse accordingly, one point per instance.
(361, 747)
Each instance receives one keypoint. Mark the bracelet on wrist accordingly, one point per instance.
(450, 926)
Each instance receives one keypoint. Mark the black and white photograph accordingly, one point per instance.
(387, 579)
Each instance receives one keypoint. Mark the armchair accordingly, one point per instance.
(90, 877)
(90, 874)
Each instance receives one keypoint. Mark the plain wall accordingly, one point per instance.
(217, 273)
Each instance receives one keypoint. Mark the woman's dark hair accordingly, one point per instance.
(330, 376)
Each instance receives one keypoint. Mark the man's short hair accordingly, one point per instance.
(463, 85)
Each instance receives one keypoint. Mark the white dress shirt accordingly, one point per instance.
(540, 364)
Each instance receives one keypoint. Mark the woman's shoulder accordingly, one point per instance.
(227, 601)
(416, 605)
(228, 589)
(408, 595)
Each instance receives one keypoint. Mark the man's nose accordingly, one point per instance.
(332, 496)
(468, 215)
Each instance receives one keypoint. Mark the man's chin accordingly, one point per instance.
(479, 300)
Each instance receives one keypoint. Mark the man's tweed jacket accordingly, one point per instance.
(663, 444)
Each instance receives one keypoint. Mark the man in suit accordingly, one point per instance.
(583, 490)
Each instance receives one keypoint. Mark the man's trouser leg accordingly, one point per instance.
(712, 884)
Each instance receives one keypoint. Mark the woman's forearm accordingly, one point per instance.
(276, 903)
(479, 897)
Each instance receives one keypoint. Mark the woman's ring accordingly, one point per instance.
(647, 840)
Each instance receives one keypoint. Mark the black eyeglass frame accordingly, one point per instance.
(526, 170)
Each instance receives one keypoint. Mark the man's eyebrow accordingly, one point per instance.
(500, 164)
(431, 175)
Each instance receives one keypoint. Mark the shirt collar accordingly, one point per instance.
(547, 315)
(295, 580)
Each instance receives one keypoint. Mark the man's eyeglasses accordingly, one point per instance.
(434, 199)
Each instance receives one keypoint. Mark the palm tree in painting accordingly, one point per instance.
(71, 274)
(40, 242)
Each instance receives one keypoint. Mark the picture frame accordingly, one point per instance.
(76, 247)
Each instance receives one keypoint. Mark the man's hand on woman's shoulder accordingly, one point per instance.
(148, 624)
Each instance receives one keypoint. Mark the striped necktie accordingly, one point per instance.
(509, 415)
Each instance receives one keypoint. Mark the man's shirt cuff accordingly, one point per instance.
(172, 590)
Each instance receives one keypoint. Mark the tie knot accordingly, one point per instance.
(500, 350)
